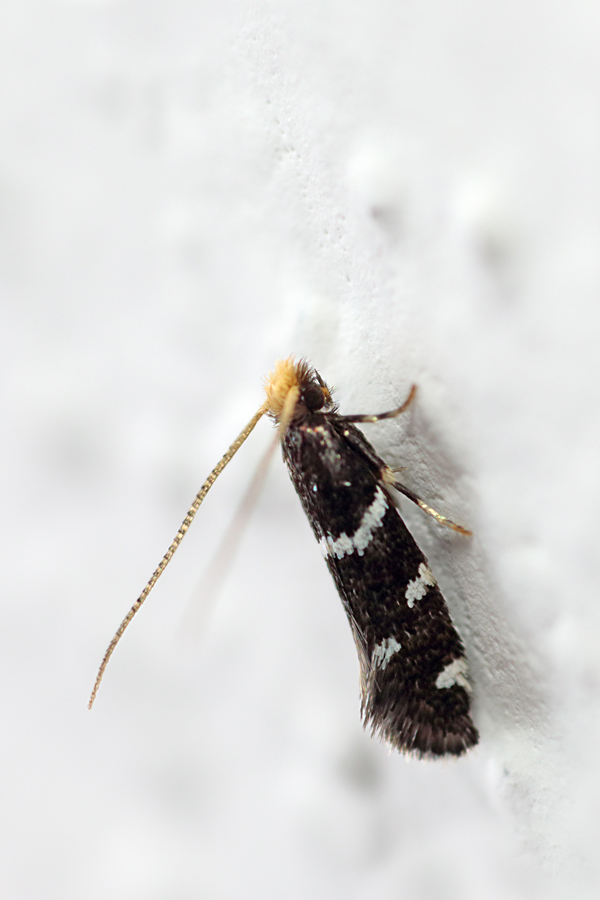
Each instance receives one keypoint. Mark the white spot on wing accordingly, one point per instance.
(419, 586)
(454, 673)
(360, 540)
(336, 546)
(384, 651)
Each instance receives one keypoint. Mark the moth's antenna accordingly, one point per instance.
(289, 406)
(216, 571)
(175, 543)
(283, 392)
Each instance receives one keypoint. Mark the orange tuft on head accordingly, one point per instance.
(286, 377)
(295, 390)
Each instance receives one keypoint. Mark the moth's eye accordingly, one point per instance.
(313, 397)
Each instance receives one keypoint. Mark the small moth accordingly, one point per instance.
(413, 670)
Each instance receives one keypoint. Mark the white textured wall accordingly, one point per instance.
(402, 191)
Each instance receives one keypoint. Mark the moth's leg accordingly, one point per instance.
(389, 478)
(384, 415)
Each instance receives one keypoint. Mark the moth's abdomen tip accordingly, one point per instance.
(428, 716)
(416, 732)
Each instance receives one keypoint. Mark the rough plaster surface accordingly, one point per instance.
(403, 192)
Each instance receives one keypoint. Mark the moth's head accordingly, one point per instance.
(294, 390)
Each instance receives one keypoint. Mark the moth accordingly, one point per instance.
(415, 690)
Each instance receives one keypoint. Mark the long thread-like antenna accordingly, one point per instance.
(175, 543)
(220, 564)
(216, 571)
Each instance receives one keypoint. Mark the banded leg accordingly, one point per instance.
(389, 478)
(384, 415)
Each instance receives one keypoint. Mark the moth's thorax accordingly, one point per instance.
(315, 445)
(333, 480)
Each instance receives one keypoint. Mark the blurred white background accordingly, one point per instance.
(401, 191)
